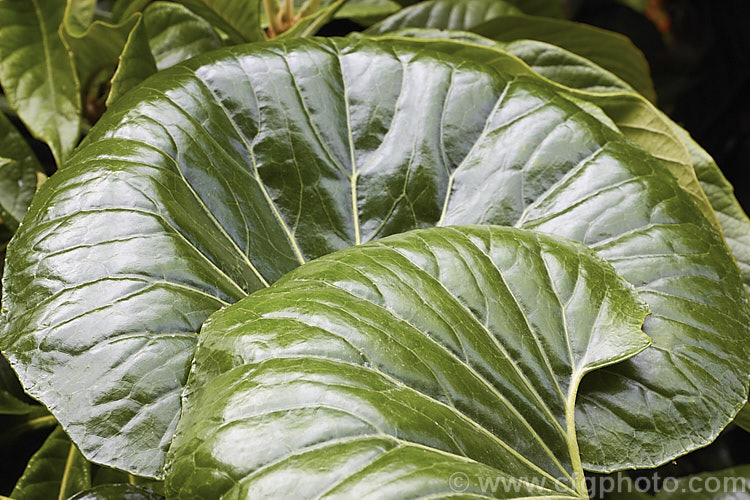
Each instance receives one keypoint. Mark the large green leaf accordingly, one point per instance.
(176, 34)
(444, 14)
(390, 366)
(220, 176)
(37, 74)
(18, 169)
(57, 470)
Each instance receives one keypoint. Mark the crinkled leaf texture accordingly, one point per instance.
(217, 177)
(388, 368)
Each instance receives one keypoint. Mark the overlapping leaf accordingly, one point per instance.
(392, 366)
(102, 50)
(641, 122)
(217, 178)
(610, 50)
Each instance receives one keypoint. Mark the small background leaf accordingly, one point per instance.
(444, 14)
(37, 72)
(175, 33)
(239, 19)
(57, 470)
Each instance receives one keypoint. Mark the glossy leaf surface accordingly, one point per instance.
(625, 112)
(37, 74)
(641, 122)
(214, 179)
(388, 367)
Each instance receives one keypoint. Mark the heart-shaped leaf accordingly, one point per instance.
(392, 367)
(218, 177)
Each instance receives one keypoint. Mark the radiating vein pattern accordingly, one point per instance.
(399, 362)
(219, 176)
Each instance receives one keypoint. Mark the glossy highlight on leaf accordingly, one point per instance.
(215, 178)
(385, 368)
